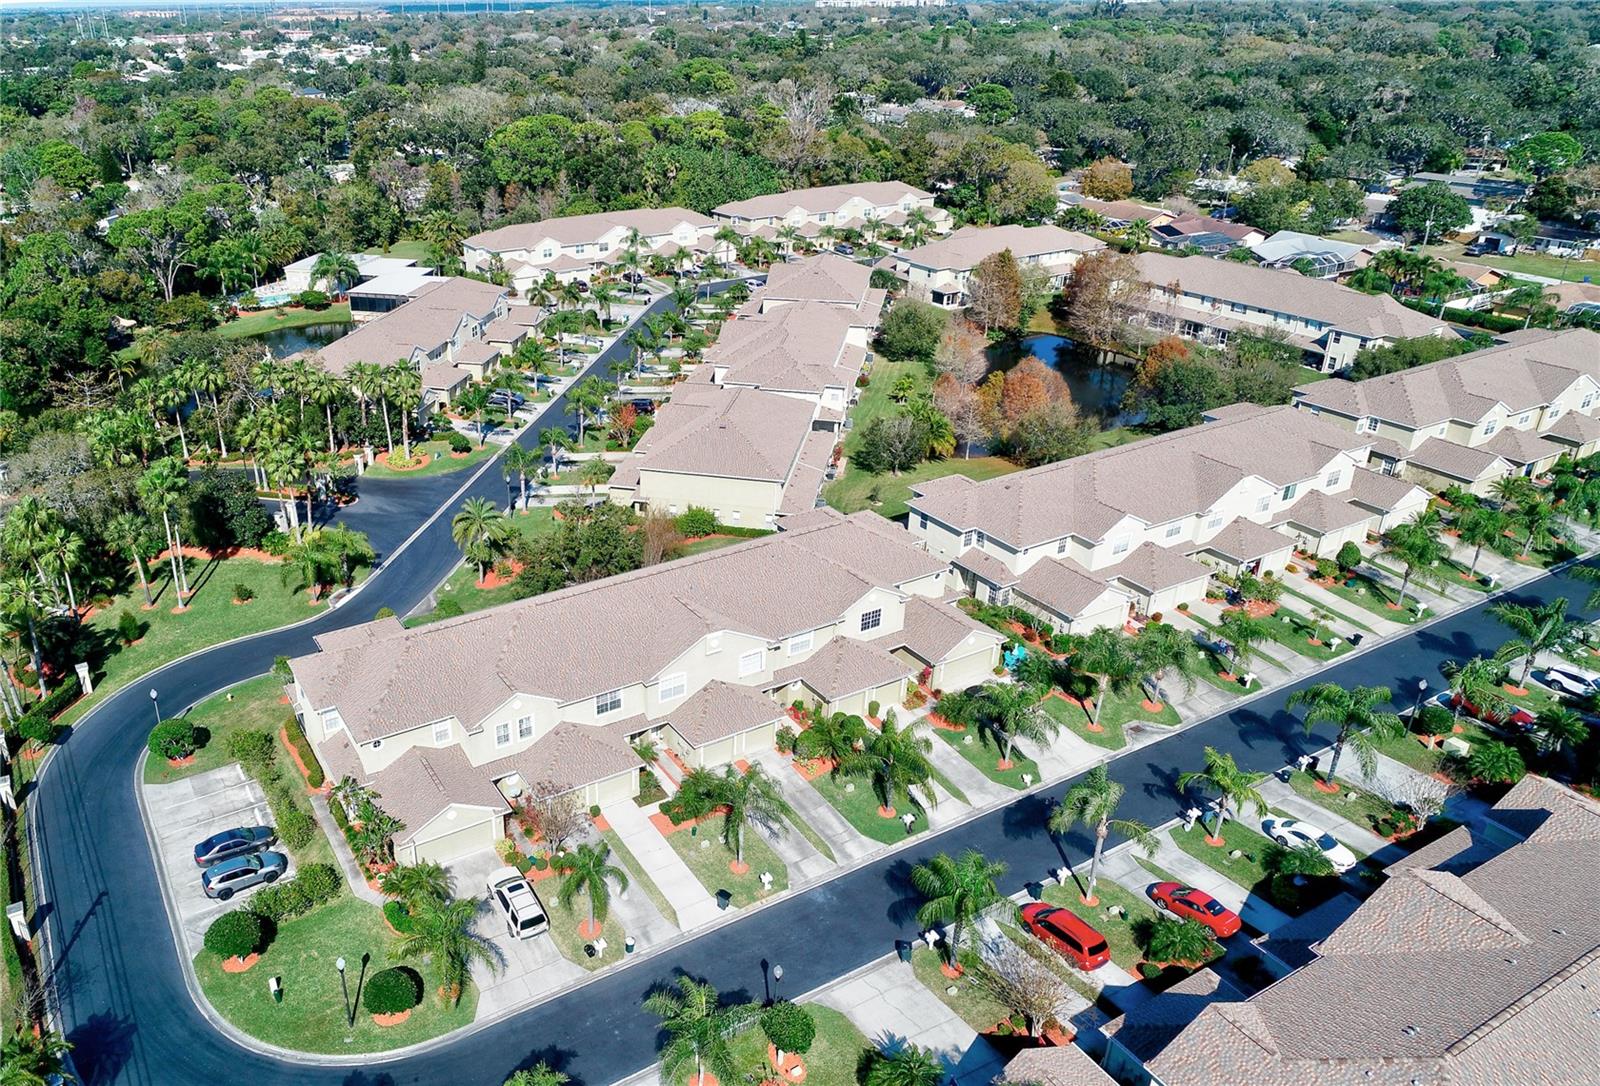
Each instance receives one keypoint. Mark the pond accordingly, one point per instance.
(1096, 387)
(283, 342)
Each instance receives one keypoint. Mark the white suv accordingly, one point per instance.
(518, 903)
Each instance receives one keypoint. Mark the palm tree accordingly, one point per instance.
(1235, 788)
(212, 378)
(129, 535)
(553, 439)
(62, 551)
(474, 401)
(604, 296)
(27, 531)
(1106, 655)
(896, 762)
(403, 385)
(1418, 550)
(908, 1065)
(837, 737)
(698, 1028)
(26, 1060)
(1356, 714)
(1012, 712)
(174, 394)
(1496, 762)
(1093, 802)
(414, 885)
(540, 1074)
(1137, 233)
(1559, 728)
(1289, 868)
(306, 555)
(482, 531)
(325, 390)
(160, 488)
(518, 460)
(22, 604)
(367, 381)
(588, 870)
(441, 932)
(1539, 629)
(336, 270)
(956, 892)
(349, 548)
(444, 235)
(1481, 526)
(1478, 681)
(752, 798)
(1161, 649)
(1243, 633)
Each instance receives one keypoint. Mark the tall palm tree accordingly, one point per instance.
(553, 439)
(482, 531)
(325, 390)
(956, 892)
(1243, 633)
(1235, 788)
(1358, 716)
(1534, 517)
(519, 461)
(160, 488)
(895, 760)
(1160, 650)
(588, 870)
(442, 933)
(338, 271)
(402, 385)
(366, 383)
(1538, 629)
(63, 552)
(698, 1028)
(174, 393)
(1419, 552)
(1478, 681)
(838, 737)
(211, 377)
(752, 798)
(1012, 712)
(129, 535)
(1093, 802)
(1107, 655)
(22, 603)
(27, 531)
(1481, 526)
(474, 401)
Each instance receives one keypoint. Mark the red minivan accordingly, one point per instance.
(1069, 936)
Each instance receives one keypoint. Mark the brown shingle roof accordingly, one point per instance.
(1243, 540)
(821, 198)
(827, 277)
(426, 321)
(1385, 493)
(719, 709)
(1055, 1065)
(740, 433)
(1520, 446)
(1323, 513)
(933, 629)
(967, 247)
(1151, 568)
(796, 348)
(578, 229)
(844, 666)
(1457, 461)
(423, 781)
(1063, 586)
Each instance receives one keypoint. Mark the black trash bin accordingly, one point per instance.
(1035, 890)
(724, 898)
(903, 948)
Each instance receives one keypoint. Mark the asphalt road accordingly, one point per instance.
(120, 990)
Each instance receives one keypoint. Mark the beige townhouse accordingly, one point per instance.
(859, 205)
(825, 279)
(452, 722)
(579, 246)
(1468, 421)
(941, 271)
(1137, 530)
(1210, 300)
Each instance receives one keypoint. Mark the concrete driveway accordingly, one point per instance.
(186, 812)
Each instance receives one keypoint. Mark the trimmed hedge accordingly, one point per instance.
(459, 442)
(235, 935)
(297, 828)
(399, 919)
(38, 723)
(696, 521)
(317, 884)
(789, 1026)
(172, 739)
(253, 750)
(391, 991)
(302, 746)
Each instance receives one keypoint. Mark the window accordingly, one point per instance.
(981, 540)
(1555, 413)
(1061, 546)
(1370, 424)
(922, 521)
(1587, 400)
(1120, 546)
(525, 727)
(331, 721)
(672, 687)
(800, 643)
(1215, 522)
(441, 732)
(609, 702)
(1490, 427)
(1264, 503)
(967, 537)
(1522, 420)
(733, 516)
(1288, 491)
(502, 734)
(871, 620)
(1332, 480)
(1174, 530)
(751, 662)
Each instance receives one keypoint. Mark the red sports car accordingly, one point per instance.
(1188, 903)
(1066, 934)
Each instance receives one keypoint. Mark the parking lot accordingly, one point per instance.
(186, 812)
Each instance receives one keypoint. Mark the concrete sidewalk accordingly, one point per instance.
(979, 789)
(1351, 613)
(1286, 799)
(689, 899)
(847, 843)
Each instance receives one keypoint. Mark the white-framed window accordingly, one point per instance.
(1522, 420)
(800, 643)
(1120, 546)
(1215, 522)
(1263, 503)
(752, 662)
(968, 536)
(441, 732)
(981, 540)
(1061, 546)
(1289, 491)
(1587, 400)
(871, 620)
(733, 516)
(672, 687)
(1370, 424)
(525, 727)
(1555, 413)
(609, 702)
(502, 734)
(1490, 427)
(1174, 530)
(922, 521)
(1332, 480)
(331, 721)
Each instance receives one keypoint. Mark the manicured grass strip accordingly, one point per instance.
(709, 858)
(1374, 597)
(1341, 616)
(860, 809)
(1365, 810)
(564, 930)
(830, 1061)
(1118, 930)
(1256, 652)
(255, 706)
(311, 1017)
(1415, 586)
(1247, 870)
(269, 320)
(888, 494)
(1293, 631)
(712, 543)
(1409, 750)
(638, 878)
(461, 587)
(985, 757)
(948, 785)
(1076, 721)
(443, 463)
(975, 1007)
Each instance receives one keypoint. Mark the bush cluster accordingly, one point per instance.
(391, 991)
(38, 723)
(316, 884)
(459, 442)
(237, 934)
(696, 521)
(399, 919)
(172, 739)
(314, 775)
(255, 751)
(243, 592)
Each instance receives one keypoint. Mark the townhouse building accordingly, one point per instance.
(1469, 421)
(454, 721)
(941, 271)
(577, 247)
(1210, 300)
(859, 205)
(1136, 530)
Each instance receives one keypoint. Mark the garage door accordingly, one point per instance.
(458, 843)
(965, 671)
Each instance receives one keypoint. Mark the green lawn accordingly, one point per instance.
(405, 249)
(1121, 709)
(1366, 810)
(442, 463)
(831, 1060)
(976, 1007)
(709, 858)
(1076, 721)
(212, 617)
(255, 705)
(887, 494)
(1290, 590)
(1294, 630)
(1408, 749)
(860, 809)
(1369, 594)
(461, 587)
(638, 879)
(271, 320)
(1521, 263)
(1118, 930)
(1248, 870)
(564, 930)
(1254, 655)
(311, 1017)
(985, 757)
(711, 543)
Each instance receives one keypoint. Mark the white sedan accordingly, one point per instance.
(1292, 833)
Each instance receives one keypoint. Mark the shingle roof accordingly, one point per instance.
(1385, 493)
(1521, 446)
(740, 433)
(1323, 513)
(1457, 461)
(1152, 568)
(827, 277)
(426, 321)
(1243, 540)
(1282, 291)
(423, 781)
(796, 348)
(986, 566)
(845, 666)
(1575, 428)
(1530, 369)
(579, 229)
(718, 710)
(967, 247)
(821, 198)
(1055, 1065)
(1063, 586)
(572, 755)
(932, 629)
(1155, 481)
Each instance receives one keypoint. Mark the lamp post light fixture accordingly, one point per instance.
(777, 979)
(1416, 706)
(156, 703)
(344, 986)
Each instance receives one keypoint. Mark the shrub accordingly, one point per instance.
(788, 1026)
(1349, 556)
(234, 935)
(1434, 720)
(313, 299)
(58, 699)
(317, 884)
(459, 442)
(253, 750)
(391, 991)
(448, 609)
(243, 593)
(696, 521)
(173, 739)
(397, 916)
(872, 709)
(385, 612)
(129, 628)
(38, 728)
(594, 810)
(785, 739)
(296, 827)
(1169, 939)
(1327, 568)
(302, 746)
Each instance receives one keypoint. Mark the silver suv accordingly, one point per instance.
(517, 903)
(242, 872)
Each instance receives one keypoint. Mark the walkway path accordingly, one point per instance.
(686, 894)
(342, 855)
(979, 789)
(847, 842)
(1351, 612)
(1286, 799)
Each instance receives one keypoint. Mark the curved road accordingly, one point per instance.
(120, 990)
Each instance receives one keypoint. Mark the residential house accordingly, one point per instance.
(579, 246)
(1309, 254)
(1054, 1065)
(1469, 421)
(861, 205)
(941, 270)
(1552, 238)
(1476, 961)
(807, 350)
(1137, 529)
(1115, 213)
(298, 277)
(454, 721)
(1213, 237)
(1211, 300)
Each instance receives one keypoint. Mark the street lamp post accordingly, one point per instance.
(777, 979)
(1416, 706)
(344, 986)
(155, 702)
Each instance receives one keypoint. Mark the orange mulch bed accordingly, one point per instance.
(283, 737)
(812, 768)
(423, 460)
(944, 725)
(669, 827)
(227, 552)
(1254, 608)
(496, 579)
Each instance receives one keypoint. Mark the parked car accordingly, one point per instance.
(582, 286)
(845, 250)
(643, 405)
(633, 278)
(1292, 833)
(757, 281)
(1188, 903)
(1064, 932)
(242, 872)
(1568, 679)
(518, 904)
(1520, 719)
(504, 397)
(230, 843)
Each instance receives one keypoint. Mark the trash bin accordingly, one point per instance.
(1355, 638)
(903, 948)
(724, 898)
(627, 945)
(1035, 890)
